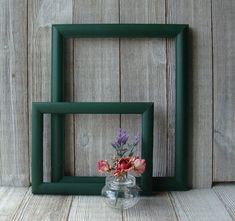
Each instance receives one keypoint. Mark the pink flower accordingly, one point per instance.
(139, 165)
(117, 172)
(103, 166)
(123, 166)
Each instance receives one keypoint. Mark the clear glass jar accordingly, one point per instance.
(120, 192)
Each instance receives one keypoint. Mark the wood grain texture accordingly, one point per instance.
(143, 75)
(14, 162)
(226, 194)
(200, 84)
(171, 102)
(224, 95)
(20, 204)
(10, 199)
(92, 208)
(201, 205)
(143, 70)
(41, 14)
(154, 208)
(96, 78)
(38, 208)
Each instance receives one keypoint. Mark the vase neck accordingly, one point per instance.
(128, 181)
(121, 179)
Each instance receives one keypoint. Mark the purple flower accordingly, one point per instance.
(121, 139)
(115, 144)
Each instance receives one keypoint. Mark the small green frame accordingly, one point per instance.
(87, 185)
(177, 31)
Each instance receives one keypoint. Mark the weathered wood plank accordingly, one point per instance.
(10, 199)
(92, 208)
(14, 166)
(96, 78)
(43, 207)
(41, 14)
(200, 81)
(143, 74)
(171, 93)
(226, 194)
(207, 204)
(224, 95)
(151, 208)
(201, 205)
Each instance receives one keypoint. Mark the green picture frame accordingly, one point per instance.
(178, 31)
(87, 185)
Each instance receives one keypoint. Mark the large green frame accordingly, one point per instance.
(87, 185)
(179, 32)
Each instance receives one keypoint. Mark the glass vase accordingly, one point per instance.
(121, 192)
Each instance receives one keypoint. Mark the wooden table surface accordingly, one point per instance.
(218, 204)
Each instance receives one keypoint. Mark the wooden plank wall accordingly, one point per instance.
(143, 74)
(224, 98)
(119, 70)
(14, 148)
(41, 14)
(96, 78)
(197, 15)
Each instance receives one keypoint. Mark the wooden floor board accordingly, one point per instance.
(10, 199)
(217, 204)
(226, 194)
(43, 207)
(199, 205)
(154, 208)
(87, 208)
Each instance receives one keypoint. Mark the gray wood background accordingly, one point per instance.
(119, 70)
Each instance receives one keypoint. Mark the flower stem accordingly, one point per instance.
(116, 201)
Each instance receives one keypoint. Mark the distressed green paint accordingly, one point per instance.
(177, 31)
(86, 185)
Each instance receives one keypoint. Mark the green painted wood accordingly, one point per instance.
(94, 107)
(57, 94)
(119, 30)
(59, 188)
(37, 148)
(88, 185)
(177, 31)
(181, 159)
(147, 153)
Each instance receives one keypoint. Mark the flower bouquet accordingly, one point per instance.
(121, 190)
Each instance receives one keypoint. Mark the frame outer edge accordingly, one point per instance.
(147, 149)
(180, 178)
(181, 159)
(57, 95)
(57, 68)
(46, 107)
(37, 151)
